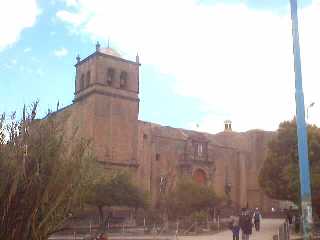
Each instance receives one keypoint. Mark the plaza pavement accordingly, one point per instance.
(269, 227)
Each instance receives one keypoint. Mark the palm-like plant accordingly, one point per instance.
(43, 176)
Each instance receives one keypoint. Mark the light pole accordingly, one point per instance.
(305, 189)
(309, 106)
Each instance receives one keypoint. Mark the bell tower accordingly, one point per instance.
(107, 88)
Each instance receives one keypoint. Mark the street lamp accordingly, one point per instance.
(309, 106)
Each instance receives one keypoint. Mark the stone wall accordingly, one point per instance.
(232, 158)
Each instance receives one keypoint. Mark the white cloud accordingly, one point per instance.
(28, 49)
(237, 61)
(7, 66)
(34, 59)
(22, 68)
(10, 64)
(15, 16)
(75, 19)
(69, 3)
(26, 69)
(61, 52)
(40, 72)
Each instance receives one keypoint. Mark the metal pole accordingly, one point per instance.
(305, 190)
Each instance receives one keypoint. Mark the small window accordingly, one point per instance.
(123, 79)
(158, 156)
(82, 82)
(200, 146)
(88, 79)
(163, 183)
(110, 76)
(200, 149)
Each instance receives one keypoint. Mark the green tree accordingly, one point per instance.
(115, 190)
(43, 176)
(279, 176)
(190, 197)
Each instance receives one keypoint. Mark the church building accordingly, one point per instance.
(106, 109)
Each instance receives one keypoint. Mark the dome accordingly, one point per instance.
(110, 51)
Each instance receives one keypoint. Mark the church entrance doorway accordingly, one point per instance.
(200, 176)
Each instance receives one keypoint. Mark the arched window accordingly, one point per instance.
(110, 76)
(123, 79)
(81, 82)
(88, 79)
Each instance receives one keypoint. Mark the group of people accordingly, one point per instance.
(293, 219)
(245, 222)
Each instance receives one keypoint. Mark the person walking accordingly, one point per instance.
(245, 223)
(257, 219)
(235, 228)
(289, 215)
(297, 223)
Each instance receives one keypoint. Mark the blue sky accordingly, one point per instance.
(203, 61)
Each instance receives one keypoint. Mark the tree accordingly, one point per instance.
(279, 176)
(190, 197)
(43, 176)
(115, 190)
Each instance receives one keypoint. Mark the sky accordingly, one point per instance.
(203, 61)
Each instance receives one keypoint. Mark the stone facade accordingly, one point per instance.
(105, 110)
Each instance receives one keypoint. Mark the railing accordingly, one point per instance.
(283, 232)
